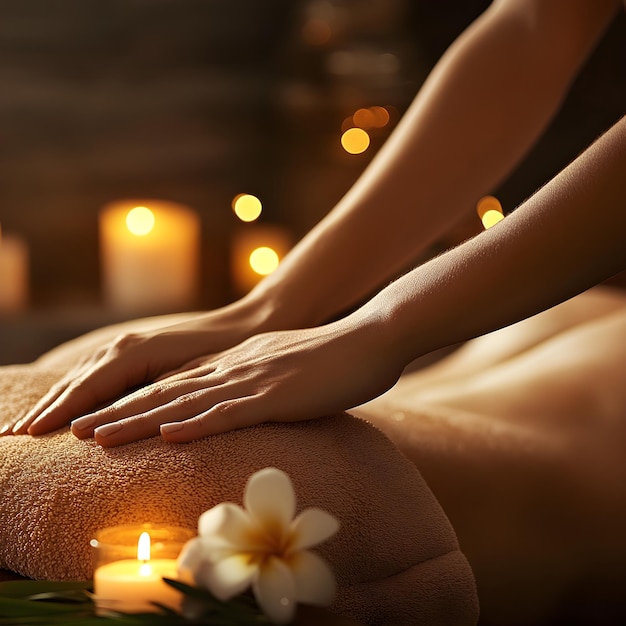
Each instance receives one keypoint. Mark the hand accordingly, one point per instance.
(132, 360)
(278, 376)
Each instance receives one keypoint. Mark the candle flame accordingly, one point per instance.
(143, 547)
(140, 221)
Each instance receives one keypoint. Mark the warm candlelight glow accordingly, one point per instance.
(489, 211)
(13, 274)
(355, 141)
(128, 577)
(150, 254)
(143, 547)
(247, 207)
(364, 118)
(264, 260)
(372, 117)
(256, 251)
(140, 221)
(381, 116)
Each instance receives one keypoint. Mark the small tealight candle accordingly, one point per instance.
(150, 252)
(131, 562)
(13, 274)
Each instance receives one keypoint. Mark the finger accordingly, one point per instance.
(126, 431)
(21, 425)
(147, 424)
(223, 417)
(176, 397)
(104, 381)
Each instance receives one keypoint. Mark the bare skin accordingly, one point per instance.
(267, 357)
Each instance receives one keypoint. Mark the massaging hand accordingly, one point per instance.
(134, 359)
(278, 376)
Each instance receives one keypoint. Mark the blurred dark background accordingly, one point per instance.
(195, 101)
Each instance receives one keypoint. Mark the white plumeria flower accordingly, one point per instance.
(264, 546)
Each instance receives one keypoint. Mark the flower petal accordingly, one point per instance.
(311, 527)
(315, 583)
(227, 525)
(197, 557)
(270, 498)
(190, 558)
(275, 591)
(231, 576)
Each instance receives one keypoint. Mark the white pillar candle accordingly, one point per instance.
(150, 252)
(13, 274)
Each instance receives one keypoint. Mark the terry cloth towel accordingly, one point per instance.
(396, 557)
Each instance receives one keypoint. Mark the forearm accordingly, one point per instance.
(480, 110)
(566, 238)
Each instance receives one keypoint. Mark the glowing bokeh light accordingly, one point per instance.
(140, 221)
(264, 260)
(364, 118)
(489, 211)
(247, 207)
(372, 117)
(381, 116)
(346, 124)
(355, 141)
(491, 218)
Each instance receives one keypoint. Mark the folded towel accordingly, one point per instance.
(396, 556)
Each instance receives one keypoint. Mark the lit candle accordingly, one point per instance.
(132, 585)
(150, 253)
(256, 251)
(13, 274)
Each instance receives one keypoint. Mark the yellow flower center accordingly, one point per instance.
(270, 540)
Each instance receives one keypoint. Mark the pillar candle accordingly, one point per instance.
(13, 274)
(150, 252)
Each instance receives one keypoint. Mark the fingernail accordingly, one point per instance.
(108, 429)
(19, 424)
(82, 423)
(171, 428)
(6, 429)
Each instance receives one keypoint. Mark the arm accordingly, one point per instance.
(479, 111)
(567, 237)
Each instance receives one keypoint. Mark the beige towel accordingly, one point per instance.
(396, 557)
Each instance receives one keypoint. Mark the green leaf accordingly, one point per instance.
(18, 606)
(27, 588)
(62, 603)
